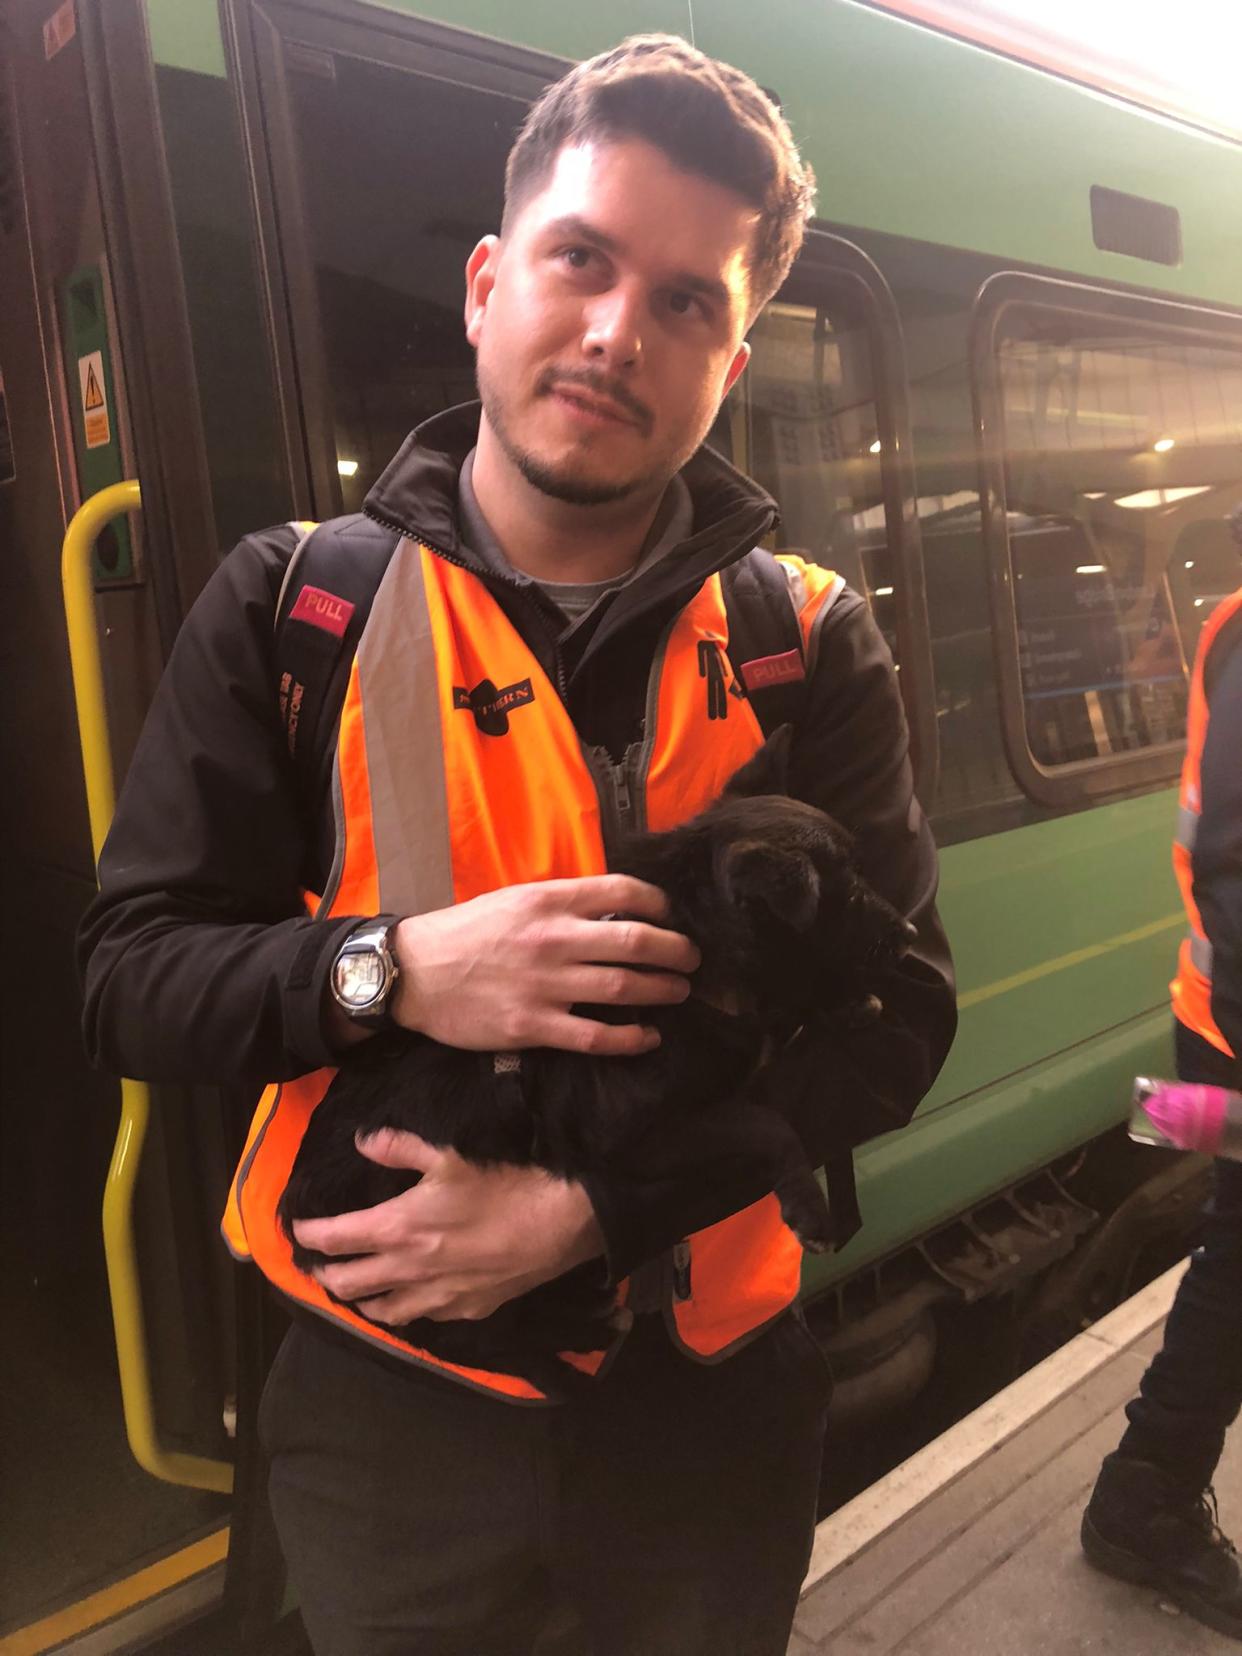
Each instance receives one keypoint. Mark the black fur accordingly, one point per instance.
(787, 930)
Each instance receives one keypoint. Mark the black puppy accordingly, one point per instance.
(789, 934)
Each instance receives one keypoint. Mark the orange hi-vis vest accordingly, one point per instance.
(458, 771)
(1192, 987)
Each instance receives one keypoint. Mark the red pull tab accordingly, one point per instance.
(323, 610)
(777, 669)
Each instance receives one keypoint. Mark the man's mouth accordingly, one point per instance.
(595, 408)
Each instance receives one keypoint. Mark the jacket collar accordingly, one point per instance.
(417, 495)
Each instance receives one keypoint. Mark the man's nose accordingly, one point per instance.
(613, 334)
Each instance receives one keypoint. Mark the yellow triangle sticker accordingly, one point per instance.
(92, 397)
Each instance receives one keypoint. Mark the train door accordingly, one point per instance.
(91, 1541)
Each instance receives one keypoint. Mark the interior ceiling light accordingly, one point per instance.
(1146, 498)
(875, 447)
(1089, 569)
(347, 468)
(1162, 445)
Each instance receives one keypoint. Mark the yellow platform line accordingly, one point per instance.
(1002, 986)
(120, 1596)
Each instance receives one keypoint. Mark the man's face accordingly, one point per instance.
(608, 322)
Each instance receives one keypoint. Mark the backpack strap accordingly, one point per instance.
(328, 590)
(765, 638)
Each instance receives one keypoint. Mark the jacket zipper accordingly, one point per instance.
(524, 587)
(616, 787)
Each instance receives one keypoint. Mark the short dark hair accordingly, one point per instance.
(706, 116)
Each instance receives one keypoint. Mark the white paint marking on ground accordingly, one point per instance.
(853, 1527)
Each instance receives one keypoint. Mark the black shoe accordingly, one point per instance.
(1140, 1526)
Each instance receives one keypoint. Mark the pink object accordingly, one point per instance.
(1187, 1115)
(776, 669)
(322, 609)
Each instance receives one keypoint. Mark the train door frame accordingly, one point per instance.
(149, 295)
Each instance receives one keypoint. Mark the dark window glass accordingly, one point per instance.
(802, 422)
(400, 175)
(1123, 453)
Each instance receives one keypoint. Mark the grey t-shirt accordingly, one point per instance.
(673, 524)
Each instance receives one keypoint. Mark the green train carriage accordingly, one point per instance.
(1001, 393)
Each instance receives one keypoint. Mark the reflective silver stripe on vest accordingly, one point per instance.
(405, 742)
(1187, 828)
(1201, 954)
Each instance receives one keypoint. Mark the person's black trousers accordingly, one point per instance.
(1192, 1391)
(670, 1512)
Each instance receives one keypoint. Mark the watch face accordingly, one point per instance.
(360, 979)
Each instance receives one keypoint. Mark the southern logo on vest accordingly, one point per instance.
(492, 707)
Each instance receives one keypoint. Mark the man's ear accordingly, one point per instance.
(481, 269)
(736, 368)
(765, 772)
(755, 873)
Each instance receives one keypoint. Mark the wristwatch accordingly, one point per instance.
(364, 975)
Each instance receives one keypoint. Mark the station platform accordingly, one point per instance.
(971, 1546)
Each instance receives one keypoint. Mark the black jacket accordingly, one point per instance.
(199, 961)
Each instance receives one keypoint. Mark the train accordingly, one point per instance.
(1001, 393)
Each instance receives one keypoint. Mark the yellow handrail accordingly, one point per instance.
(118, 1204)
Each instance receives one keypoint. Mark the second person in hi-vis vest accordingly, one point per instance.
(543, 664)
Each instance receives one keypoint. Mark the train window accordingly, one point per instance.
(399, 180)
(802, 421)
(821, 420)
(1122, 454)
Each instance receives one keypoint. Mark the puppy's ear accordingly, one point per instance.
(765, 772)
(785, 882)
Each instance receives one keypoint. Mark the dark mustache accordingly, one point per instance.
(602, 386)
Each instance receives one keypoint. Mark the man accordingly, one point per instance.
(1152, 1514)
(528, 682)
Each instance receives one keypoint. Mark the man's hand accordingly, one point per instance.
(501, 972)
(462, 1242)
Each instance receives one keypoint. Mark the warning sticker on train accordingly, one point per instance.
(94, 401)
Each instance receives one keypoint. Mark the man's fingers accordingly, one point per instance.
(615, 986)
(404, 1305)
(366, 1231)
(354, 1279)
(570, 1033)
(595, 895)
(391, 1147)
(635, 943)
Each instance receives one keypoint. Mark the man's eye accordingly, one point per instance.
(685, 304)
(577, 258)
